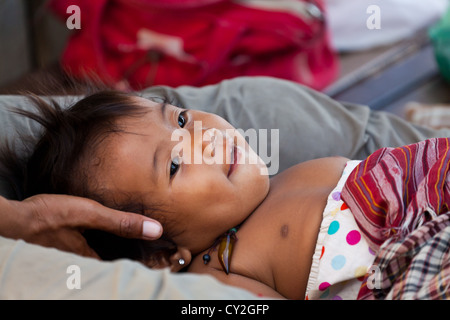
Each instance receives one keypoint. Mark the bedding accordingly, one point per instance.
(308, 121)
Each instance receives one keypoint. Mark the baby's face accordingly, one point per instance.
(183, 160)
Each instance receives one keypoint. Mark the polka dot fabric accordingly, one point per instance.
(342, 256)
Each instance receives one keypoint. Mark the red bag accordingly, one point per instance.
(141, 43)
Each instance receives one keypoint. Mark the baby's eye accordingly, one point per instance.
(174, 165)
(182, 119)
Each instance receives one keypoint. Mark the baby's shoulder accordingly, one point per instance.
(317, 172)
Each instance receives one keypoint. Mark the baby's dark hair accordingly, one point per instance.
(63, 161)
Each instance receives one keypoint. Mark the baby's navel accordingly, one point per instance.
(284, 231)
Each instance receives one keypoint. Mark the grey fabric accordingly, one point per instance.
(33, 272)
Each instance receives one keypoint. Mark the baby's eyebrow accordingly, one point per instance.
(156, 163)
(156, 156)
(163, 110)
(166, 100)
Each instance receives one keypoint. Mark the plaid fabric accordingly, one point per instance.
(392, 194)
(417, 267)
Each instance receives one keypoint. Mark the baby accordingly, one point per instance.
(118, 149)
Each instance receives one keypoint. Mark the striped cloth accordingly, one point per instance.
(397, 190)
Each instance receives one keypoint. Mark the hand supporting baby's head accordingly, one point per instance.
(122, 150)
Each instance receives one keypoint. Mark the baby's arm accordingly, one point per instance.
(258, 288)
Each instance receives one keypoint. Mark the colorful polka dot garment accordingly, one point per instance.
(342, 256)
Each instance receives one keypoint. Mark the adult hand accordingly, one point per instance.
(59, 220)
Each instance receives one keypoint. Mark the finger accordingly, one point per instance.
(68, 240)
(78, 244)
(92, 215)
(88, 252)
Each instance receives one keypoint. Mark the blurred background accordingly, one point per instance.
(389, 54)
(31, 39)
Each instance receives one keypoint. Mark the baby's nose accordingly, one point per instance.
(212, 138)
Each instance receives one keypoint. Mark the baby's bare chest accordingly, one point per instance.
(278, 242)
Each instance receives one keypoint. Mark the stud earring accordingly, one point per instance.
(181, 262)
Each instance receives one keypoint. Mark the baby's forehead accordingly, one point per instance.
(150, 102)
(148, 113)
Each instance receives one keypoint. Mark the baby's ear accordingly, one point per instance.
(180, 259)
(176, 261)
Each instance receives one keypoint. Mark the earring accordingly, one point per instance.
(225, 249)
(181, 262)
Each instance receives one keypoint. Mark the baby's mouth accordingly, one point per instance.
(234, 158)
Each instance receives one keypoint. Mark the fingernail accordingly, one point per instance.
(151, 229)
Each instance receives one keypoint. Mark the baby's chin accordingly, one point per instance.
(253, 159)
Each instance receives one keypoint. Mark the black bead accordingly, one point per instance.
(206, 258)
